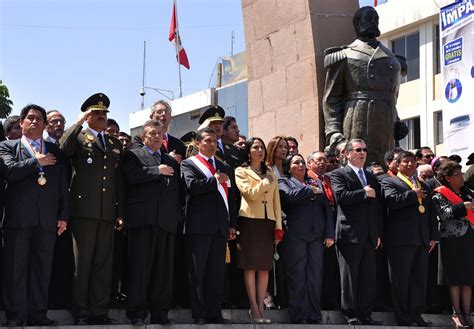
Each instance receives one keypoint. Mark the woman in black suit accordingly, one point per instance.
(310, 227)
(455, 212)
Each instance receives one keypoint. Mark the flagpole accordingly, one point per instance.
(176, 46)
(143, 80)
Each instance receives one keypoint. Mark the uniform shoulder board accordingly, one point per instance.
(334, 55)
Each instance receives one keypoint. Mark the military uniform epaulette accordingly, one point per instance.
(333, 55)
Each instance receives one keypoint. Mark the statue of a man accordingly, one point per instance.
(361, 90)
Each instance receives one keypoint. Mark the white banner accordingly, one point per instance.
(457, 63)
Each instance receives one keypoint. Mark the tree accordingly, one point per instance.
(5, 102)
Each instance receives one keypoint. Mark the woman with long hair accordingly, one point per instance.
(259, 224)
(277, 152)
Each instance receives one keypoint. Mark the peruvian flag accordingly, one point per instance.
(176, 39)
(375, 3)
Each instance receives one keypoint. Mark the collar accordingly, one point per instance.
(96, 132)
(356, 169)
(31, 140)
(51, 139)
(151, 151)
(207, 158)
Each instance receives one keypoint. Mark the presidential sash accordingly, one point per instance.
(454, 199)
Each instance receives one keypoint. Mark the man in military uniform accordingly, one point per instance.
(361, 89)
(213, 117)
(96, 207)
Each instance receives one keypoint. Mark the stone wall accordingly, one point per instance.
(285, 41)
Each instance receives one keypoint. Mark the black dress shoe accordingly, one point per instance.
(354, 322)
(163, 321)
(368, 321)
(138, 322)
(102, 320)
(14, 323)
(219, 321)
(80, 321)
(423, 323)
(42, 322)
(199, 321)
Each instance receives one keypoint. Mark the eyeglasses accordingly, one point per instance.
(428, 156)
(360, 149)
(57, 122)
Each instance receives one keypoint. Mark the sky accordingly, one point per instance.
(56, 53)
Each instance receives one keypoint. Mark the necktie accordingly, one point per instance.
(35, 145)
(211, 162)
(101, 139)
(157, 155)
(362, 177)
(221, 149)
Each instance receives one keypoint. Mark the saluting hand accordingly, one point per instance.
(83, 116)
(46, 159)
(166, 170)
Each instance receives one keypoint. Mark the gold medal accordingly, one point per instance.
(421, 209)
(41, 179)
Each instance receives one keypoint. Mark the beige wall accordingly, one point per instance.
(285, 43)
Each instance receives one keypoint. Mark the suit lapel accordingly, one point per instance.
(95, 140)
(353, 176)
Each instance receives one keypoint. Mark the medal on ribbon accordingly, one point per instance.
(421, 208)
(34, 154)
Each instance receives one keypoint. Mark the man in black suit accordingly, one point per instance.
(358, 233)
(36, 209)
(411, 233)
(209, 221)
(153, 212)
(161, 111)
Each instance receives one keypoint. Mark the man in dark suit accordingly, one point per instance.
(96, 200)
(36, 209)
(153, 211)
(210, 220)
(161, 111)
(411, 233)
(358, 233)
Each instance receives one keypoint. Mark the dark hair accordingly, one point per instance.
(437, 162)
(243, 136)
(201, 132)
(248, 145)
(404, 154)
(112, 122)
(419, 153)
(357, 20)
(228, 121)
(272, 145)
(455, 158)
(289, 138)
(389, 156)
(151, 123)
(348, 146)
(447, 168)
(287, 164)
(10, 122)
(124, 134)
(24, 111)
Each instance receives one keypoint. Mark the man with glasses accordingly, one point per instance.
(424, 155)
(358, 231)
(55, 126)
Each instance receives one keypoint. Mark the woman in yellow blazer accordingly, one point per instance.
(259, 224)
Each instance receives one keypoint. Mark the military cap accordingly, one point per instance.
(470, 159)
(97, 102)
(212, 113)
(189, 137)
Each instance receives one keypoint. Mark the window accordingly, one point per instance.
(436, 51)
(412, 140)
(409, 47)
(438, 127)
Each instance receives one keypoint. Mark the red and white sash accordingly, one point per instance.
(209, 172)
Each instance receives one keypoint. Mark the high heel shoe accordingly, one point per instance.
(458, 320)
(255, 320)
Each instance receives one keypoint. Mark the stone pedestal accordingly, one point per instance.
(285, 42)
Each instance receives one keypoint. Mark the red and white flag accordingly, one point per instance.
(175, 38)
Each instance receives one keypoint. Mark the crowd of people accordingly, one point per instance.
(93, 219)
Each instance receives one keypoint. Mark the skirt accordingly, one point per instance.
(255, 244)
(457, 260)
